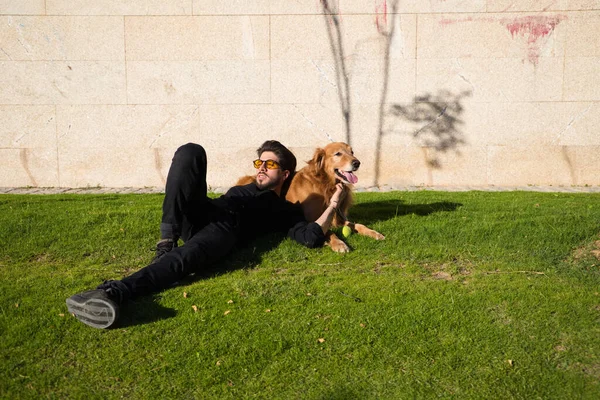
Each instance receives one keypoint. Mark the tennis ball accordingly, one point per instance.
(346, 231)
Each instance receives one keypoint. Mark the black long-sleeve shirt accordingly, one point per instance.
(259, 212)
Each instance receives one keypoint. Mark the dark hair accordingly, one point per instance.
(287, 159)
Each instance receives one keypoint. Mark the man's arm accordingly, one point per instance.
(312, 234)
(324, 221)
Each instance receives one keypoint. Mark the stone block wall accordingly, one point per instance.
(428, 92)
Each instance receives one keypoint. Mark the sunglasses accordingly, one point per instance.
(271, 164)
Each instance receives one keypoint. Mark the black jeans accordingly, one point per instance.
(209, 233)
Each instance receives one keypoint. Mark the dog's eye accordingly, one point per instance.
(338, 154)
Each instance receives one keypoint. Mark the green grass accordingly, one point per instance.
(471, 295)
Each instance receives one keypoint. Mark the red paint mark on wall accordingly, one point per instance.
(532, 29)
(448, 21)
(381, 16)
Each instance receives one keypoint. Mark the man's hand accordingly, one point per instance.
(325, 219)
(336, 198)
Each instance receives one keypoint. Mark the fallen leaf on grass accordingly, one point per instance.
(510, 362)
(61, 315)
(230, 302)
(195, 308)
(226, 312)
(267, 310)
(362, 325)
(218, 363)
(17, 305)
(185, 295)
(320, 340)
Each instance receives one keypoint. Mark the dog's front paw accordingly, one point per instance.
(340, 247)
(337, 244)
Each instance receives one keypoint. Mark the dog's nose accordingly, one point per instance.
(355, 164)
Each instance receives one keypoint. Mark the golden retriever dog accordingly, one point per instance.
(313, 185)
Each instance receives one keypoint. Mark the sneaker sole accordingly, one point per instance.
(96, 313)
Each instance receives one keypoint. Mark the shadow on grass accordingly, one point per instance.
(143, 310)
(384, 210)
(146, 310)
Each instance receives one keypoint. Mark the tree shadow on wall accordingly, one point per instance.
(438, 122)
(438, 126)
(334, 33)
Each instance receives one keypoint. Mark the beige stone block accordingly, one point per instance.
(232, 7)
(22, 7)
(441, 121)
(541, 5)
(364, 125)
(582, 79)
(387, 7)
(467, 124)
(94, 166)
(586, 169)
(27, 127)
(119, 7)
(305, 7)
(534, 124)
(225, 127)
(310, 81)
(383, 8)
(457, 167)
(116, 127)
(29, 167)
(197, 38)
(301, 127)
(539, 165)
(61, 38)
(301, 81)
(398, 165)
(266, 7)
(308, 125)
(529, 38)
(62, 82)
(492, 80)
(583, 35)
(368, 81)
(312, 37)
(580, 128)
(440, 6)
(432, 155)
(203, 82)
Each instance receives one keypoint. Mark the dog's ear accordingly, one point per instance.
(318, 159)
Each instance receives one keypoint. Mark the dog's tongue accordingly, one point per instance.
(350, 177)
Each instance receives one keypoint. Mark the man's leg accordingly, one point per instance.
(185, 210)
(209, 245)
(100, 308)
(185, 203)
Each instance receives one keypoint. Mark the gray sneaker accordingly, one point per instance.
(94, 308)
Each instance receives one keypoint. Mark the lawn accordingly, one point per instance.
(471, 295)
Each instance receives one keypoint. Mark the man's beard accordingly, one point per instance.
(267, 184)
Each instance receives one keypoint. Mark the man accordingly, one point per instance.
(210, 228)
